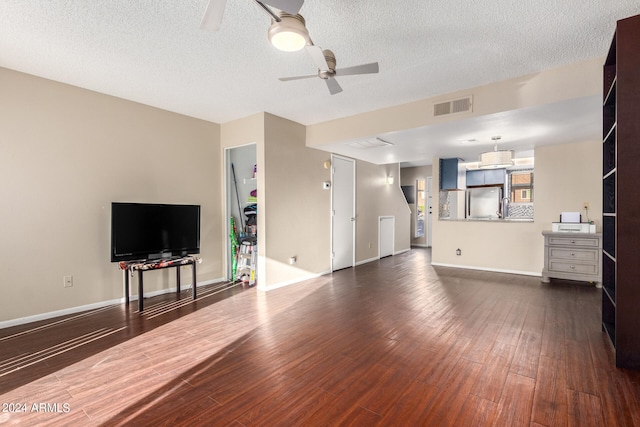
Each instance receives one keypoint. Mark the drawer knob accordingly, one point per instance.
(573, 254)
(573, 267)
(572, 241)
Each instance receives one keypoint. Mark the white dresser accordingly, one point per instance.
(572, 256)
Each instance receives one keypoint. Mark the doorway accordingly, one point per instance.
(343, 218)
(241, 193)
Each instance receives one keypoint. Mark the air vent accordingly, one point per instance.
(462, 105)
(370, 143)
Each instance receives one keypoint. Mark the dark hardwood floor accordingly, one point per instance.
(392, 342)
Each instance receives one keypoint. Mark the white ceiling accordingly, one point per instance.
(154, 52)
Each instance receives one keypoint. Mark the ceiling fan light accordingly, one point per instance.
(290, 34)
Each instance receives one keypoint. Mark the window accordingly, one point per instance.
(521, 185)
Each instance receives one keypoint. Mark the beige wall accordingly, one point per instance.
(296, 215)
(248, 130)
(565, 176)
(409, 177)
(376, 198)
(294, 211)
(572, 81)
(65, 155)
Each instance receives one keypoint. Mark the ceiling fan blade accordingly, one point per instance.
(317, 56)
(286, 79)
(333, 86)
(212, 18)
(292, 7)
(359, 69)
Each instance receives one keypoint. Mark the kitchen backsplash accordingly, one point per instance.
(520, 210)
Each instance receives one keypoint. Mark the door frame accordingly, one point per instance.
(393, 234)
(229, 200)
(353, 210)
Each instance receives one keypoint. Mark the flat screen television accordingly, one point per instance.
(146, 231)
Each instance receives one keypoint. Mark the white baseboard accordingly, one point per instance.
(420, 245)
(494, 270)
(364, 261)
(94, 306)
(402, 251)
(291, 282)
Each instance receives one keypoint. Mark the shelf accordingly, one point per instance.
(609, 235)
(611, 172)
(611, 131)
(610, 293)
(249, 180)
(610, 98)
(609, 255)
(609, 193)
(609, 152)
(620, 234)
(610, 329)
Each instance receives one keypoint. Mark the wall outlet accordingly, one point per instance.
(293, 260)
(585, 206)
(68, 281)
(458, 252)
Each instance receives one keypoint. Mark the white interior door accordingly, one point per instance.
(343, 223)
(386, 233)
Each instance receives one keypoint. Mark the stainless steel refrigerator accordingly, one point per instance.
(484, 202)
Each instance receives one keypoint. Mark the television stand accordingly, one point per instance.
(128, 267)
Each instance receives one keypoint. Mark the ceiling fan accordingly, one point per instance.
(325, 60)
(215, 10)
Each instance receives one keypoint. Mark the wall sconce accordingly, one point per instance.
(390, 180)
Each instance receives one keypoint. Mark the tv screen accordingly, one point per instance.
(142, 231)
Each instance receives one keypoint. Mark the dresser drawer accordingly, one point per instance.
(570, 253)
(569, 267)
(573, 241)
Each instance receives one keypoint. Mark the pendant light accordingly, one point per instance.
(496, 158)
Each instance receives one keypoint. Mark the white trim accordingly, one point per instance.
(420, 245)
(365, 261)
(51, 314)
(353, 209)
(227, 195)
(393, 233)
(401, 251)
(494, 270)
(292, 281)
(81, 308)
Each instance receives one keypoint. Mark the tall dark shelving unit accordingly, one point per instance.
(620, 198)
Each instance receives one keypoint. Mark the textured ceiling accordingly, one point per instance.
(155, 53)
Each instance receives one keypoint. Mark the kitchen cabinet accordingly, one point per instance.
(452, 174)
(620, 203)
(572, 256)
(479, 177)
